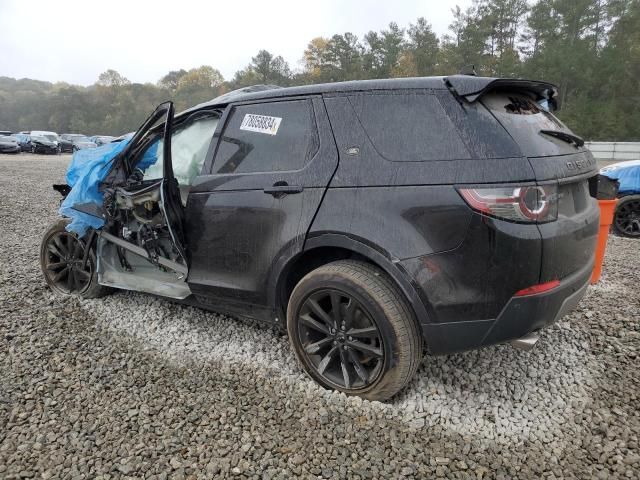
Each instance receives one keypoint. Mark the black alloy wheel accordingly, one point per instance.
(340, 339)
(352, 330)
(63, 268)
(61, 261)
(627, 217)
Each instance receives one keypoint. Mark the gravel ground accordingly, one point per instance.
(135, 386)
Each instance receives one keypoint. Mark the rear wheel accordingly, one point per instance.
(61, 261)
(627, 217)
(352, 330)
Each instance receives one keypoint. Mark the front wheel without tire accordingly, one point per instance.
(352, 330)
(61, 261)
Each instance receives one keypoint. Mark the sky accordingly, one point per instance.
(75, 40)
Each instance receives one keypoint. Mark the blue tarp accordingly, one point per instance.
(88, 168)
(627, 173)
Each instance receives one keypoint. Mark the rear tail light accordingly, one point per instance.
(530, 204)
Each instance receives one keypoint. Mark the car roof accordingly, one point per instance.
(263, 92)
(468, 86)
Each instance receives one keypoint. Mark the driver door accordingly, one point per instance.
(143, 248)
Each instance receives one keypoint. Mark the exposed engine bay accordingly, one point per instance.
(135, 249)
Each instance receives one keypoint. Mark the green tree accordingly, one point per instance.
(111, 78)
(421, 52)
(171, 79)
(590, 48)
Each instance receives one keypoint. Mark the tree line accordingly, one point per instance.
(589, 48)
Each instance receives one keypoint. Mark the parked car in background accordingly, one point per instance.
(51, 136)
(364, 218)
(42, 144)
(5, 133)
(66, 146)
(77, 141)
(102, 139)
(9, 144)
(626, 220)
(24, 140)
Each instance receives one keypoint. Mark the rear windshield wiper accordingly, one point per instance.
(567, 137)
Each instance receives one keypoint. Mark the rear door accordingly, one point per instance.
(250, 212)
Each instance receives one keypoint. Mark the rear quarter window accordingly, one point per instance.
(408, 127)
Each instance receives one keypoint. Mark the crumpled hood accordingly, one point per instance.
(47, 143)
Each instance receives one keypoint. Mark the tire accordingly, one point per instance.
(62, 250)
(626, 220)
(388, 357)
(33, 149)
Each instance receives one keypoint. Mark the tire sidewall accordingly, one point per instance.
(322, 281)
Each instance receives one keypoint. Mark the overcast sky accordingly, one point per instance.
(75, 40)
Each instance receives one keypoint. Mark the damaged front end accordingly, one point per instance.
(132, 223)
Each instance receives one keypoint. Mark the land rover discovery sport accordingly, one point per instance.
(366, 219)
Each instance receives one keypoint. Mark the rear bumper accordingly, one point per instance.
(519, 317)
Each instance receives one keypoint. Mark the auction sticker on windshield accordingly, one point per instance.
(260, 124)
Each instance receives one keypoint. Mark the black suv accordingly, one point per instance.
(366, 218)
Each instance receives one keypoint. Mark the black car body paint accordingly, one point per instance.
(350, 186)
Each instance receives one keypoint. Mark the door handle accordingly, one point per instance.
(281, 190)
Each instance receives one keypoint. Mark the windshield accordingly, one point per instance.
(39, 138)
(80, 138)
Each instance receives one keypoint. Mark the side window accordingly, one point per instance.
(189, 144)
(409, 127)
(267, 137)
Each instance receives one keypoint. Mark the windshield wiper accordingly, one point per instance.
(564, 136)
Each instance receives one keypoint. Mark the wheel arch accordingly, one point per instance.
(322, 249)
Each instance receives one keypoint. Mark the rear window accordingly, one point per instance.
(523, 118)
(408, 127)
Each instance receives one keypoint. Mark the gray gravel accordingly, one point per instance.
(135, 386)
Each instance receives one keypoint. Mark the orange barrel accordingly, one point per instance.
(607, 209)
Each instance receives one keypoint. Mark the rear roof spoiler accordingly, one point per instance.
(472, 88)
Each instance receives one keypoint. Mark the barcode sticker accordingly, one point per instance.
(260, 124)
